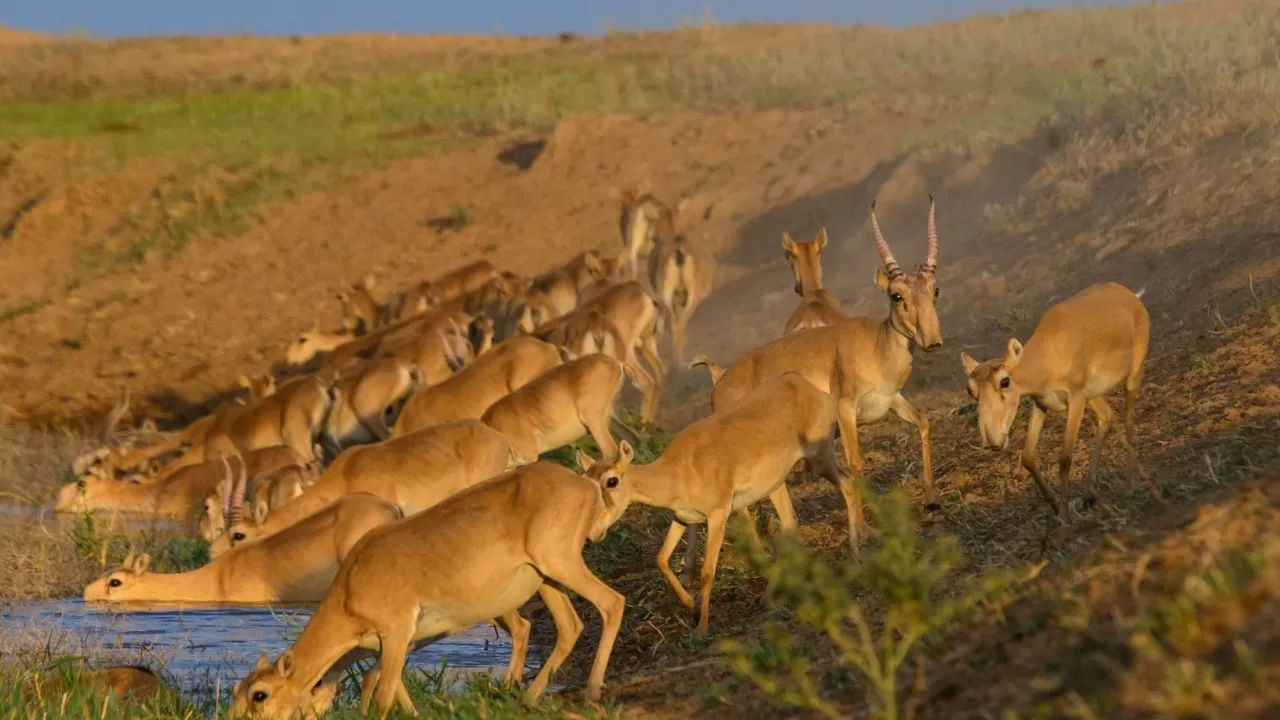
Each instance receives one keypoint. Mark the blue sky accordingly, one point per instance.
(115, 18)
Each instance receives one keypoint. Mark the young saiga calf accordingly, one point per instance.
(478, 555)
(726, 463)
(1083, 347)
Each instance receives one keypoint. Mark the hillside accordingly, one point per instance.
(174, 210)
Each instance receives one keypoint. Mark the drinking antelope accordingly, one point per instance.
(480, 554)
(295, 565)
(1082, 348)
(861, 361)
(366, 403)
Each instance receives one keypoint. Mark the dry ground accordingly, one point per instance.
(1137, 145)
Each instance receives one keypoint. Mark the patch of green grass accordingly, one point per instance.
(27, 308)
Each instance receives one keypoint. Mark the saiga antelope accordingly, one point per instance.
(638, 219)
(365, 403)
(361, 313)
(819, 307)
(560, 406)
(469, 392)
(414, 471)
(262, 491)
(478, 555)
(622, 321)
(293, 415)
(861, 361)
(295, 565)
(178, 496)
(259, 386)
(681, 272)
(440, 352)
(727, 462)
(453, 284)
(1082, 348)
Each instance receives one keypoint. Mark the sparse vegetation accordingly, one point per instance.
(902, 576)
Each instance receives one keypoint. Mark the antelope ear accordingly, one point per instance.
(142, 563)
(369, 281)
(968, 362)
(1012, 354)
(821, 239)
(284, 665)
(626, 454)
(788, 244)
(259, 512)
(263, 662)
(244, 381)
(585, 461)
(148, 425)
(128, 561)
(882, 279)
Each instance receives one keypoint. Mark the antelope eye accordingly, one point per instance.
(611, 482)
(114, 582)
(260, 696)
(1004, 383)
(237, 537)
(896, 297)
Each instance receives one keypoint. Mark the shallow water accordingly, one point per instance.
(210, 646)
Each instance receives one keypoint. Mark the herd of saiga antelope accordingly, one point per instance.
(395, 478)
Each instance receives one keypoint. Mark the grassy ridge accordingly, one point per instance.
(1026, 63)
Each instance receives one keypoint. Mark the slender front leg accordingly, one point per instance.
(715, 539)
(781, 500)
(659, 380)
(1034, 425)
(518, 629)
(574, 574)
(848, 423)
(664, 562)
(691, 555)
(1075, 415)
(824, 463)
(1135, 466)
(1103, 412)
(906, 411)
(568, 630)
(395, 647)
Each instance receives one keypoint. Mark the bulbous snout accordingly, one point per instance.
(933, 346)
(994, 441)
(96, 591)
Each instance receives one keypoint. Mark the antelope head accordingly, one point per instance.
(991, 384)
(911, 312)
(313, 342)
(97, 487)
(805, 260)
(120, 584)
(232, 490)
(615, 489)
(273, 690)
(259, 386)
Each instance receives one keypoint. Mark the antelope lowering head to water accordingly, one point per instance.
(414, 471)
(727, 462)
(293, 415)
(861, 361)
(819, 307)
(1082, 348)
(451, 285)
(294, 565)
(480, 554)
(560, 406)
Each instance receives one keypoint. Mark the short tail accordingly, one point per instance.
(716, 371)
(1141, 292)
